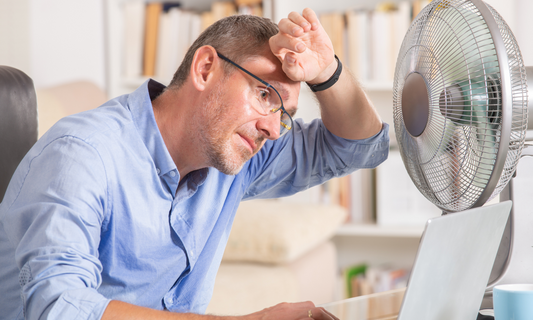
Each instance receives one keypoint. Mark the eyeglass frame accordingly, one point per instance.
(268, 85)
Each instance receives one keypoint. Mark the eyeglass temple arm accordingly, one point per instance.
(247, 72)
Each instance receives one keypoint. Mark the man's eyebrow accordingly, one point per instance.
(285, 95)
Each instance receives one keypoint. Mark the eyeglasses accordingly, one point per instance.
(267, 100)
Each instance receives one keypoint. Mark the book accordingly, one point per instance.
(207, 19)
(333, 24)
(134, 15)
(163, 52)
(401, 20)
(357, 24)
(362, 197)
(247, 2)
(222, 9)
(418, 6)
(399, 202)
(381, 46)
(153, 13)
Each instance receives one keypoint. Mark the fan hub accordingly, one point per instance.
(415, 104)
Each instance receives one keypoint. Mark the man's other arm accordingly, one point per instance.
(117, 310)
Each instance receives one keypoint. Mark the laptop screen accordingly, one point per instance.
(453, 264)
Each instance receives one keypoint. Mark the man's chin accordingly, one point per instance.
(232, 167)
(230, 170)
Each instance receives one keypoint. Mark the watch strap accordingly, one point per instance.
(331, 81)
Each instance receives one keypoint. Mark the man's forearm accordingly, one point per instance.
(346, 110)
(118, 310)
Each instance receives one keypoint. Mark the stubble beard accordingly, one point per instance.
(216, 136)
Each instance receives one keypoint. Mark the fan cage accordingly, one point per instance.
(453, 160)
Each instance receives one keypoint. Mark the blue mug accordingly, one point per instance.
(513, 302)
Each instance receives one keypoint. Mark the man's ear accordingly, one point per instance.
(204, 67)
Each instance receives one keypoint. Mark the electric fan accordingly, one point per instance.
(460, 116)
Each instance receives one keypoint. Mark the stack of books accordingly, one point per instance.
(158, 34)
(368, 41)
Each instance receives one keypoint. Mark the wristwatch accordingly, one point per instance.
(331, 81)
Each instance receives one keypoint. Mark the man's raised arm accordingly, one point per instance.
(306, 53)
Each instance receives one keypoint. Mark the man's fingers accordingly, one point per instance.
(320, 314)
(291, 68)
(297, 18)
(331, 315)
(311, 17)
(291, 28)
(281, 41)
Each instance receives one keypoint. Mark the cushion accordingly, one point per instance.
(246, 287)
(275, 231)
(60, 101)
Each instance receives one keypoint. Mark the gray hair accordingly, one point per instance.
(238, 37)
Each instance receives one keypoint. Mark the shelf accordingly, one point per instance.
(377, 85)
(373, 230)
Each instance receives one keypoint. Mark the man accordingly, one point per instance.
(127, 208)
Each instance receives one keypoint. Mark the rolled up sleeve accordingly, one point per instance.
(310, 156)
(55, 218)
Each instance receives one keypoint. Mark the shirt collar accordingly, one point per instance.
(140, 105)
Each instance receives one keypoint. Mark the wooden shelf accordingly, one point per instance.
(373, 230)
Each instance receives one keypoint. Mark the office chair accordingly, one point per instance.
(18, 121)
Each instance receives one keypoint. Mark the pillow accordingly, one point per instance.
(274, 231)
(60, 101)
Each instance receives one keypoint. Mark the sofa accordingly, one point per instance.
(278, 252)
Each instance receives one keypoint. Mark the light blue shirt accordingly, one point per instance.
(94, 211)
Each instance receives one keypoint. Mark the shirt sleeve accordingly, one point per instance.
(309, 156)
(56, 211)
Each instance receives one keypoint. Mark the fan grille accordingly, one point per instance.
(453, 160)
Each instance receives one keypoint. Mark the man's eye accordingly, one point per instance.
(264, 94)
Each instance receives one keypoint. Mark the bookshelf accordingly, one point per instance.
(374, 230)
(381, 244)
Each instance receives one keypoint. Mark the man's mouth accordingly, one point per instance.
(250, 142)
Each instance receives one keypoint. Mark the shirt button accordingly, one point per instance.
(158, 170)
(172, 174)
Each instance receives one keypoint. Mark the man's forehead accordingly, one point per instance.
(269, 69)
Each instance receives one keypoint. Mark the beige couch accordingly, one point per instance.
(277, 252)
(54, 103)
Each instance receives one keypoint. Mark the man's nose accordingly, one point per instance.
(269, 125)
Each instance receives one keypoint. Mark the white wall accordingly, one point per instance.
(54, 41)
(66, 41)
(14, 34)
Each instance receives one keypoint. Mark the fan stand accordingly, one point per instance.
(514, 261)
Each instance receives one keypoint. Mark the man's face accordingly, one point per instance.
(232, 129)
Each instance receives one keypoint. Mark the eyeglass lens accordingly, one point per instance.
(268, 100)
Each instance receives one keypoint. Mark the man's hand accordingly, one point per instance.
(304, 48)
(306, 53)
(117, 310)
(292, 311)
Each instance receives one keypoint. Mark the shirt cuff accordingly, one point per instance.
(78, 304)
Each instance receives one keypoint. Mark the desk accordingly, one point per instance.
(378, 306)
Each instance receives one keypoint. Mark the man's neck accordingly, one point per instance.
(171, 111)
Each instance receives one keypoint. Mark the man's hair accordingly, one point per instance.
(238, 37)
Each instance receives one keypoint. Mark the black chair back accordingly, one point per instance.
(18, 121)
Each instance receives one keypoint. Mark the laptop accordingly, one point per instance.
(451, 269)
